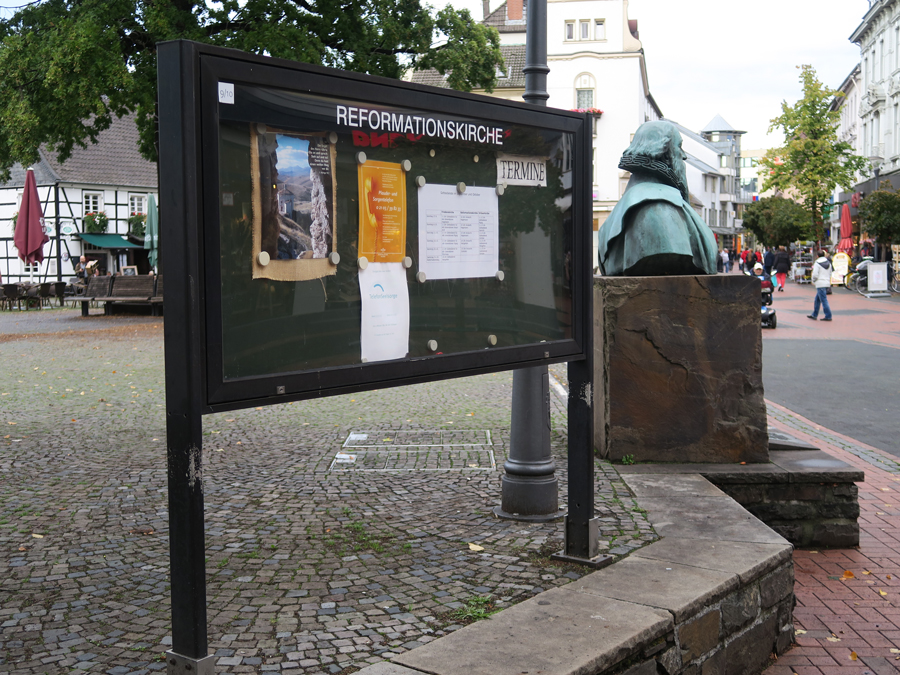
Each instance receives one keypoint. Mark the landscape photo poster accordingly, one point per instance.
(293, 199)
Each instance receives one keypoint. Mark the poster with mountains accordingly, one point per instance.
(295, 190)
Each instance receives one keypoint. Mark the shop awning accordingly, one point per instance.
(112, 241)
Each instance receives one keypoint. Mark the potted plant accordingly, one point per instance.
(95, 223)
(136, 225)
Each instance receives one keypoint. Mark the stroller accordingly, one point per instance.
(769, 320)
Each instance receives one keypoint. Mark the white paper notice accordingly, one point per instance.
(458, 233)
(385, 312)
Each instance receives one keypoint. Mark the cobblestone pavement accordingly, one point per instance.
(321, 558)
(848, 600)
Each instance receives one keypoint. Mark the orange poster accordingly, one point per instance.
(382, 212)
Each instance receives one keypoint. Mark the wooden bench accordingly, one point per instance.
(131, 290)
(97, 289)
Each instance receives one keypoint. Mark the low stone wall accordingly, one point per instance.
(816, 508)
(807, 496)
(714, 596)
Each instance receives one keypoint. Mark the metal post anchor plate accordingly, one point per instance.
(176, 664)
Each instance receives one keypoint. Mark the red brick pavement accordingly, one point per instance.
(848, 601)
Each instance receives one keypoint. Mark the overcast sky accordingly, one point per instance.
(737, 59)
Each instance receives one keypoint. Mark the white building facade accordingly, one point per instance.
(596, 62)
(108, 177)
(878, 87)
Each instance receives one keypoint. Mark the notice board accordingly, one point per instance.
(349, 232)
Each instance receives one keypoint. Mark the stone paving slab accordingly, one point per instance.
(560, 632)
(706, 518)
(310, 570)
(679, 589)
(747, 560)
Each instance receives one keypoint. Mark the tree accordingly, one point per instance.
(67, 67)
(813, 161)
(777, 221)
(879, 214)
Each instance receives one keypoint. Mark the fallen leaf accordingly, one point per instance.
(853, 656)
(475, 547)
(882, 593)
(40, 536)
(848, 575)
(895, 651)
(866, 572)
(889, 576)
(799, 631)
(833, 639)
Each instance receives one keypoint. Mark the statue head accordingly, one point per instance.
(656, 150)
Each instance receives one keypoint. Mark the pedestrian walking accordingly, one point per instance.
(821, 278)
(768, 260)
(782, 266)
(742, 264)
(723, 261)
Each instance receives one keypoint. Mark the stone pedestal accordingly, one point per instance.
(678, 369)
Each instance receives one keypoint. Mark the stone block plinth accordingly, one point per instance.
(678, 369)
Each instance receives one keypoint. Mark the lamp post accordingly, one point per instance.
(529, 488)
(876, 161)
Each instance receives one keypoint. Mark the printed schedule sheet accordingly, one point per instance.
(458, 232)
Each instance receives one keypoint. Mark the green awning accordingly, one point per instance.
(112, 241)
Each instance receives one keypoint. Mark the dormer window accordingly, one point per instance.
(586, 30)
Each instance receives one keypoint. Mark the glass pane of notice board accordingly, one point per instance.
(421, 205)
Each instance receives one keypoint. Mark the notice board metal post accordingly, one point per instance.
(184, 371)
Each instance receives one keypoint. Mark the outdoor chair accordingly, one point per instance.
(44, 293)
(12, 294)
(59, 292)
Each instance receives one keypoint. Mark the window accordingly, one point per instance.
(93, 202)
(599, 29)
(723, 161)
(137, 205)
(584, 98)
(570, 30)
(585, 33)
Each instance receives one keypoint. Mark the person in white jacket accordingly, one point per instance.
(821, 278)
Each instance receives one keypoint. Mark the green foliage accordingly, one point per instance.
(476, 608)
(68, 67)
(627, 459)
(136, 224)
(776, 221)
(813, 162)
(95, 223)
(879, 214)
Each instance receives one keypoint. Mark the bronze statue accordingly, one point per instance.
(653, 231)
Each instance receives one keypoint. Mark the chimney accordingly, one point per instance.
(513, 10)
(486, 7)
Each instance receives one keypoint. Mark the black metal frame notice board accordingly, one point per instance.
(325, 232)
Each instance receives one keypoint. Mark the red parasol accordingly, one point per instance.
(30, 236)
(846, 244)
